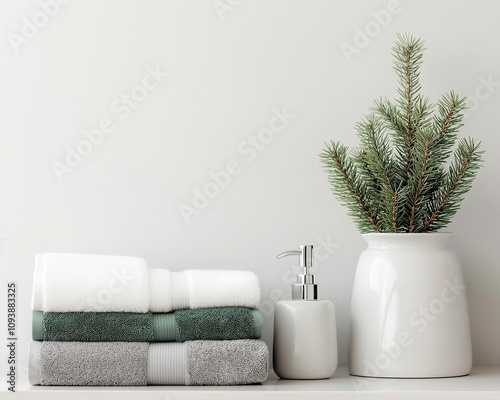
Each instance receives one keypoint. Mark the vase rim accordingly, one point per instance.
(408, 240)
(380, 234)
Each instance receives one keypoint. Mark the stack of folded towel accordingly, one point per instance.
(108, 320)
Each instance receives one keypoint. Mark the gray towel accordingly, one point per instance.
(226, 362)
(93, 364)
(199, 362)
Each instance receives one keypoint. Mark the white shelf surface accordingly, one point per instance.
(482, 383)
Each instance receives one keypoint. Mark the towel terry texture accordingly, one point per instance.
(96, 283)
(218, 323)
(92, 364)
(199, 362)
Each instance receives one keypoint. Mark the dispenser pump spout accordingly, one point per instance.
(305, 288)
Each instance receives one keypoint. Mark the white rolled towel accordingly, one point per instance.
(84, 282)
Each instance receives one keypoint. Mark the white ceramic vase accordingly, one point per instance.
(409, 315)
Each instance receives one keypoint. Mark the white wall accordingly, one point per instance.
(227, 73)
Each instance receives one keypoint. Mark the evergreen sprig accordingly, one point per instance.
(399, 180)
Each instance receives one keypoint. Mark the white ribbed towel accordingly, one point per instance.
(83, 282)
(202, 288)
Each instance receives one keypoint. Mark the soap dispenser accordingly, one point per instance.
(305, 334)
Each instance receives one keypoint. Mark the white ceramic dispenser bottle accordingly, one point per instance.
(305, 334)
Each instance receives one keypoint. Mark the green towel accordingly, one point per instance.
(218, 323)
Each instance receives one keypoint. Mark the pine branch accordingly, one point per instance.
(462, 171)
(389, 113)
(447, 123)
(392, 212)
(377, 155)
(395, 212)
(423, 111)
(347, 186)
(408, 53)
(391, 118)
(418, 189)
(377, 148)
(366, 173)
(425, 175)
(397, 181)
